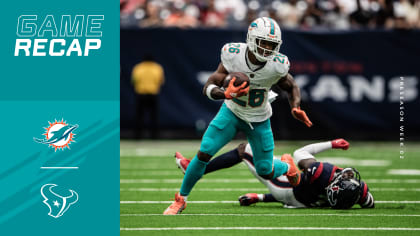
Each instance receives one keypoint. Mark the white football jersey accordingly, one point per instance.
(254, 107)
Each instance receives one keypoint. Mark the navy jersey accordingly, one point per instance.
(311, 189)
(314, 180)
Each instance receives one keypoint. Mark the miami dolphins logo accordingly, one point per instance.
(58, 135)
(252, 26)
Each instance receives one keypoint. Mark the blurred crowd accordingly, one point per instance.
(294, 14)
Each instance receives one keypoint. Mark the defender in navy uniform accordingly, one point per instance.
(322, 184)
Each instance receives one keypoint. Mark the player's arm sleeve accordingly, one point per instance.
(282, 66)
(282, 70)
(308, 151)
(366, 198)
(226, 58)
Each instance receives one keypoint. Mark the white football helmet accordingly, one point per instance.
(263, 29)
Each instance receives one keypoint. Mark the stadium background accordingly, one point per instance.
(350, 81)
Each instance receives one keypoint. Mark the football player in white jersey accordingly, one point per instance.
(247, 109)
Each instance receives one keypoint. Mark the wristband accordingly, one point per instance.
(209, 89)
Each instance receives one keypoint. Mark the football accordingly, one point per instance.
(240, 78)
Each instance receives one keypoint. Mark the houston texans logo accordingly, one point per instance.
(58, 135)
(57, 204)
(332, 192)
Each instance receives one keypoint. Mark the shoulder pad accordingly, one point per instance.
(229, 52)
(281, 64)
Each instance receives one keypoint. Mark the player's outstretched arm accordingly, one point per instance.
(288, 84)
(304, 156)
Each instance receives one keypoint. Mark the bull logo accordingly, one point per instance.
(58, 204)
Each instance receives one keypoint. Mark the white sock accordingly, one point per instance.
(185, 198)
(260, 197)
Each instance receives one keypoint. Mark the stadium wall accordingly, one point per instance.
(357, 84)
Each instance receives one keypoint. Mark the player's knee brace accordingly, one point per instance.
(263, 168)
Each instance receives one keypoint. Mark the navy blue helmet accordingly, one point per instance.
(344, 190)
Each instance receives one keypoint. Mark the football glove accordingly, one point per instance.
(340, 143)
(233, 92)
(300, 115)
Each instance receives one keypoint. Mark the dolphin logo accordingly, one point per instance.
(58, 135)
(57, 204)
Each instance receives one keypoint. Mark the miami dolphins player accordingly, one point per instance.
(247, 109)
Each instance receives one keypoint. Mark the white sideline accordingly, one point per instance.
(230, 202)
(254, 180)
(285, 215)
(268, 228)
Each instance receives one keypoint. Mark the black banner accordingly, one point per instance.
(356, 85)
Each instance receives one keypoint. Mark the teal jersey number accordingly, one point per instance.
(280, 58)
(234, 48)
(256, 98)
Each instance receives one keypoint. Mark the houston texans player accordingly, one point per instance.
(322, 184)
(246, 108)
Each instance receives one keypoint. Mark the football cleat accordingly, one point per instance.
(293, 173)
(248, 199)
(181, 162)
(340, 143)
(177, 206)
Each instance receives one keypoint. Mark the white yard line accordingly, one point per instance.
(166, 202)
(177, 172)
(403, 172)
(270, 228)
(282, 215)
(250, 189)
(253, 180)
(230, 202)
(179, 180)
(233, 172)
(198, 189)
(404, 202)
